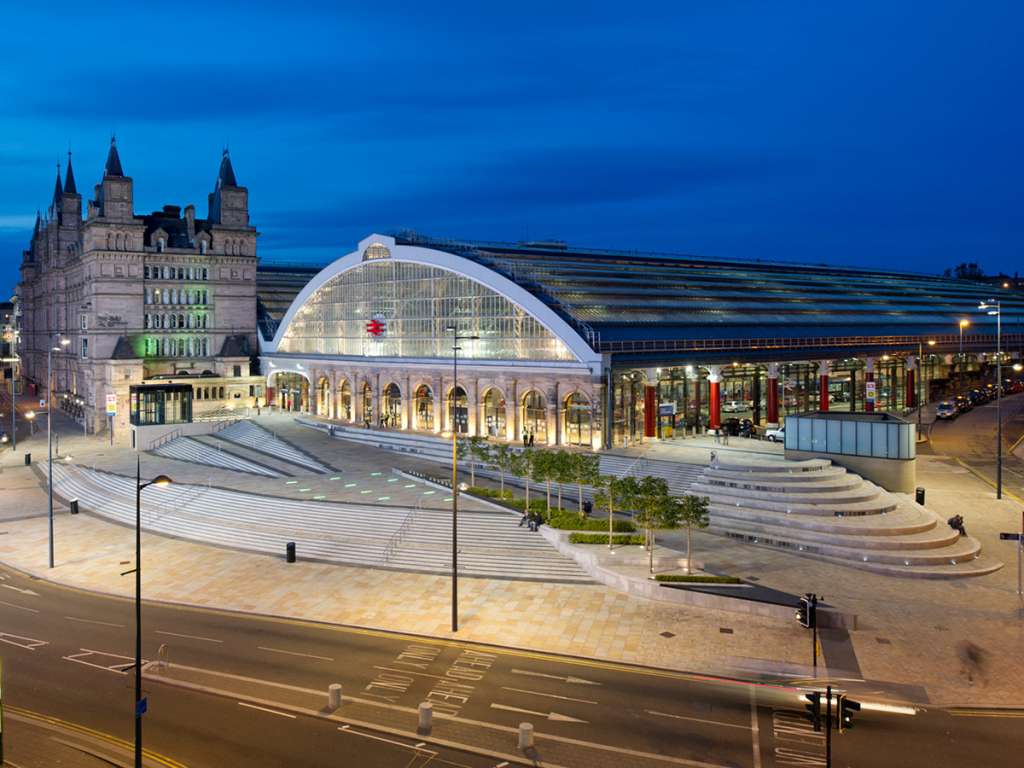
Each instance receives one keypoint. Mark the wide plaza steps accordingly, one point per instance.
(198, 452)
(817, 509)
(491, 544)
(256, 438)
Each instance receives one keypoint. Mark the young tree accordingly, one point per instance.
(586, 470)
(656, 508)
(562, 471)
(522, 466)
(542, 469)
(476, 450)
(614, 492)
(500, 458)
(693, 514)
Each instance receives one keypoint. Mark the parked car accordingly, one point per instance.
(963, 403)
(731, 426)
(734, 406)
(776, 435)
(946, 410)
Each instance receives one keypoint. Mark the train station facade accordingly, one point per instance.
(602, 348)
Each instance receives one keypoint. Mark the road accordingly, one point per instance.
(250, 690)
(971, 438)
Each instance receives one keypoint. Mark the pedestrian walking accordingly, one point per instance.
(526, 439)
(588, 507)
(524, 518)
(725, 436)
(531, 439)
(718, 435)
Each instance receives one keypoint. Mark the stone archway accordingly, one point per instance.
(533, 406)
(458, 410)
(323, 396)
(366, 398)
(391, 413)
(424, 408)
(492, 408)
(343, 400)
(577, 427)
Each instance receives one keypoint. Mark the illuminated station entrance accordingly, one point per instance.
(599, 349)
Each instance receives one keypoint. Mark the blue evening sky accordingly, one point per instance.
(875, 133)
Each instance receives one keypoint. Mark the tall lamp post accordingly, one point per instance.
(456, 338)
(993, 307)
(963, 324)
(49, 427)
(160, 481)
(920, 376)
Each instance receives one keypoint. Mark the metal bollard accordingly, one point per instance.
(525, 735)
(334, 695)
(161, 657)
(73, 506)
(426, 716)
(289, 552)
(28, 458)
(919, 496)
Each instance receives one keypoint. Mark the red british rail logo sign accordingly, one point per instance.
(376, 327)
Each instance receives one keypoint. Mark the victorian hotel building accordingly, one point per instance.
(122, 299)
(600, 348)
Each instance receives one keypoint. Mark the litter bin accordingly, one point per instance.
(28, 458)
(919, 496)
(73, 506)
(289, 552)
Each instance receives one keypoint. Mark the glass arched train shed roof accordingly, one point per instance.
(549, 302)
(653, 307)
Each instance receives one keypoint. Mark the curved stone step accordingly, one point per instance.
(862, 492)
(882, 503)
(785, 483)
(935, 537)
(902, 520)
(776, 465)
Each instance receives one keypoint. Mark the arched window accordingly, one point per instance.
(174, 322)
(578, 420)
(345, 401)
(535, 416)
(424, 406)
(392, 406)
(494, 413)
(323, 397)
(458, 410)
(367, 395)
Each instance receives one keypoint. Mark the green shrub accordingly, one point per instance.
(602, 538)
(489, 493)
(571, 521)
(697, 579)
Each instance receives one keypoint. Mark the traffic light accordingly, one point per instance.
(813, 708)
(844, 712)
(806, 612)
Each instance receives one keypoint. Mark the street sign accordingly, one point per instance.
(42, 403)
(869, 390)
(1010, 536)
(111, 404)
(142, 706)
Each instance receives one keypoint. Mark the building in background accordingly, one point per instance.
(164, 296)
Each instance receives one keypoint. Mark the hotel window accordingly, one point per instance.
(85, 348)
(202, 246)
(84, 321)
(160, 243)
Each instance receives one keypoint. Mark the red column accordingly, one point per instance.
(869, 405)
(823, 392)
(714, 406)
(773, 401)
(269, 398)
(650, 410)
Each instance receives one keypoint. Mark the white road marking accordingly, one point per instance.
(19, 607)
(568, 679)
(294, 653)
(190, 637)
(28, 643)
(94, 621)
(23, 590)
(267, 709)
(548, 695)
(117, 669)
(502, 764)
(755, 729)
(696, 719)
(547, 715)
(415, 748)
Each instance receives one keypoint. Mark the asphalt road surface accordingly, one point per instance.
(971, 438)
(249, 690)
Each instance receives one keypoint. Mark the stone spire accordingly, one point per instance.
(69, 179)
(58, 189)
(113, 164)
(226, 174)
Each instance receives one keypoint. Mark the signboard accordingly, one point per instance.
(667, 409)
(111, 405)
(377, 326)
(1010, 536)
(42, 403)
(869, 391)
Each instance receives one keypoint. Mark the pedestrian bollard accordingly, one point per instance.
(525, 735)
(334, 695)
(73, 506)
(919, 496)
(28, 458)
(426, 716)
(161, 656)
(289, 551)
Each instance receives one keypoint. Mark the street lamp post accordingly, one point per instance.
(160, 481)
(49, 428)
(920, 376)
(456, 338)
(994, 307)
(963, 324)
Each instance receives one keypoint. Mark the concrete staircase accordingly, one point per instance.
(256, 438)
(816, 508)
(491, 544)
(197, 452)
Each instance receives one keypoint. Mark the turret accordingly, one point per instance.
(229, 203)
(114, 193)
(70, 200)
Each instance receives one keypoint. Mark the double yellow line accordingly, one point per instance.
(83, 730)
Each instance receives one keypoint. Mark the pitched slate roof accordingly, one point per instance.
(113, 165)
(123, 350)
(69, 179)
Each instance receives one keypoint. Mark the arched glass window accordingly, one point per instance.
(345, 401)
(458, 410)
(535, 417)
(577, 426)
(424, 408)
(367, 396)
(398, 309)
(392, 406)
(494, 413)
(323, 397)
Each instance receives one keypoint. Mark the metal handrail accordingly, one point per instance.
(396, 538)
